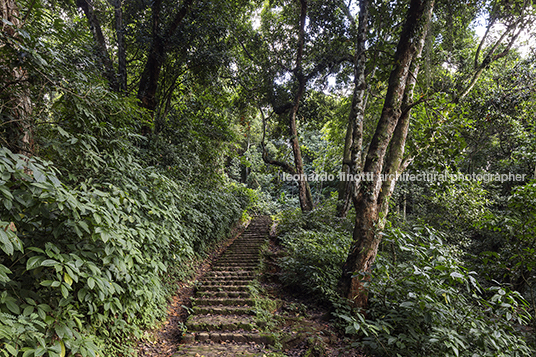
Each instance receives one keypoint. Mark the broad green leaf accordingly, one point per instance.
(63, 351)
(13, 306)
(6, 244)
(49, 263)
(11, 349)
(34, 262)
(40, 351)
(28, 310)
(39, 176)
(456, 275)
(64, 291)
(67, 278)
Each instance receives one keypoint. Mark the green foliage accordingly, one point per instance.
(424, 302)
(84, 268)
(316, 248)
(314, 260)
(507, 253)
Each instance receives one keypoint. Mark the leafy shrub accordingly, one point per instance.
(316, 245)
(83, 268)
(314, 261)
(423, 302)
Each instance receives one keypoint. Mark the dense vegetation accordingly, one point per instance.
(135, 134)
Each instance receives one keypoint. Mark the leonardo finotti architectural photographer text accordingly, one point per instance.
(422, 176)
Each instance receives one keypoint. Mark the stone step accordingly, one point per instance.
(230, 269)
(222, 288)
(233, 267)
(240, 258)
(211, 350)
(221, 323)
(239, 275)
(227, 280)
(230, 281)
(222, 294)
(223, 301)
(222, 310)
(254, 251)
(237, 262)
(239, 337)
(234, 262)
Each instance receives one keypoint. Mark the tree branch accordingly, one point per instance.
(283, 165)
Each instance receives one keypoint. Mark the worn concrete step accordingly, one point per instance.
(236, 268)
(227, 281)
(239, 258)
(243, 337)
(247, 243)
(222, 294)
(223, 301)
(236, 274)
(241, 248)
(223, 310)
(232, 266)
(237, 262)
(224, 350)
(249, 250)
(234, 262)
(221, 323)
(222, 288)
(228, 277)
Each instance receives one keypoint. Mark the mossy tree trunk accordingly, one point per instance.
(384, 155)
(16, 106)
(352, 154)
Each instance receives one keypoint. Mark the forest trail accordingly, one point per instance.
(222, 322)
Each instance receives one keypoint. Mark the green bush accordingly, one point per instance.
(314, 261)
(422, 300)
(83, 268)
(316, 245)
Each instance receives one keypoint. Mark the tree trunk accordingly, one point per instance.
(121, 47)
(157, 54)
(16, 94)
(306, 199)
(353, 143)
(370, 217)
(101, 50)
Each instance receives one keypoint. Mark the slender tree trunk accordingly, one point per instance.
(121, 47)
(157, 53)
(353, 143)
(101, 49)
(393, 163)
(306, 199)
(370, 219)
(18, 124)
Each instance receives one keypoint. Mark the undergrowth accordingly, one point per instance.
(422, 299)
(92, 237)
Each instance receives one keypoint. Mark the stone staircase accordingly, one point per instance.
(223, 319)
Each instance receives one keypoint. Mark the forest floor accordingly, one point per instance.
(299, 326)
